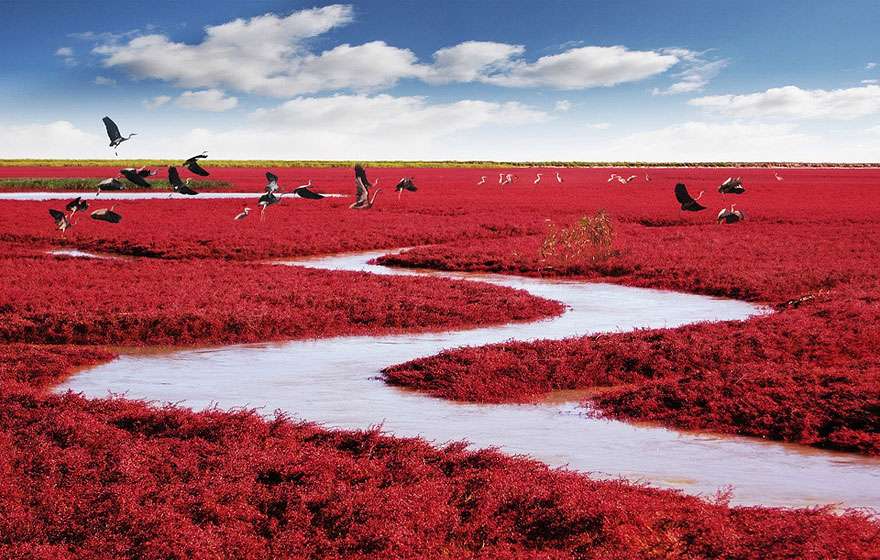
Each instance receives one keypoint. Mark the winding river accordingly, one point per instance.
(333, 381)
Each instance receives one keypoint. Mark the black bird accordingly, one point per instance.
(267, 200)
(110, 184)
(113, 132)
(732, 186)
(361, 175)
(730, 216)
(107, 215)
(62, 222)
(178, 186)
(406, 184)
(687, 202)
(193, 164)
(135, 177)
(303, 191)
(77, 205)
(272, 183)
(144, 172)
(362, 193)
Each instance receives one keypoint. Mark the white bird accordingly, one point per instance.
(778, 176)
(628, 179)
(538, 178)
(647, 179)
(501, 178)
(731, 216)
(558, 177)
(613, 177)
(243, 214)
(482, 179)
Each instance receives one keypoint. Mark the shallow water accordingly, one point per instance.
(333, 381)
(144, 195)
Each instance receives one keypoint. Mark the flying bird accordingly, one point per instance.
(134, 175)
(362, 194)
(482, 179)
(688, 203)
(193, 164)
(405, 184)
(304, 191)
(178, 186)
(113, 132)
(243, 214)
(144, 172)
(272, 183)
(110, 184)
(537, 178)
(732, 185)
(62, 222)
(76, 205)
(107, 215)
(267, 200)
(731, 216)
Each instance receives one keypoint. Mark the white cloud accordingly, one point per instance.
(212, 100)
(156, 102)
(697, 72)
(563, 105)
(66, 54)
(873, 129)
(269, 55)
(871, 81)
(58, 139)
(104, 81)
(472, 61)
(583, 67)
(870, 66)
(792, 101)
(599, 126)
(701, 141)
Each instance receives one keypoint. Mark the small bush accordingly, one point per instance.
(580, 245)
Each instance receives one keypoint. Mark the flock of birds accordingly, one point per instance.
(365, 191)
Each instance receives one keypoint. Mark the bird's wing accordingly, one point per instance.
(132, 176)
(57, 215)
(304, 192)
(193, 166)
(112, 129)
(174, 177)
(681, 194)
(184, 189)
(362, 193)
(73, 203)
(272, 184)
(361, 174)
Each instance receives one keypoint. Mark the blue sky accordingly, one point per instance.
(638, 80)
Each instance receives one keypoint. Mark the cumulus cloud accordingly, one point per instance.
(66, 54)
(58, 139)
(212, 100)
(870, 66)
(104, 81)
(792, 101)
(701, 141)
(156, 102)
(583, 67)
(563, 105)
(696, 74)
(269, 55)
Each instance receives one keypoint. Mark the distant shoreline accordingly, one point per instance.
(415, 164)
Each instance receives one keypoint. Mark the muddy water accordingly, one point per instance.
(333, 381)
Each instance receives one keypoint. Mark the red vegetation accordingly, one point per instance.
(117, 479)
(63, 300)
